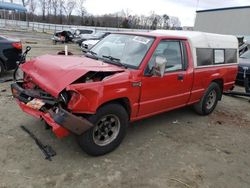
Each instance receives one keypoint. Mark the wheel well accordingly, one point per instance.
(122, 101)
(221, 84)
(4, 66)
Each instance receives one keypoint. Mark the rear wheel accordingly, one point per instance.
(110, 124)
(209, 100)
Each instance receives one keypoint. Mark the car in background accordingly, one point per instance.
(244, 63)
(79, 32)
(10, 53)
(95, 36)
(64, 36)
(88, 44)
(82, 34)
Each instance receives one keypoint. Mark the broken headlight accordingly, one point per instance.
(64, 97)
(74, 98)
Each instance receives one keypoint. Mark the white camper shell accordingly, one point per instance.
(219, 47)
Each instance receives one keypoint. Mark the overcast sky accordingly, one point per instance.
(184, 9)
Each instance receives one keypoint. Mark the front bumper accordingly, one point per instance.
(61, 121)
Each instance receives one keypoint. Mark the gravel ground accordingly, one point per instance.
(174, 149)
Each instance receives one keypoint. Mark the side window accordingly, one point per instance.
(204, 56)
(219, 56)
(173, 53)
(231, 55)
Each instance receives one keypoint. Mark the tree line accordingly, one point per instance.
(73, 12)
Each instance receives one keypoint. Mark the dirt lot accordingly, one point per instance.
(175, 149)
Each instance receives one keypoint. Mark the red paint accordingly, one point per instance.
(59, 131)
(54, 72)
(156, 94)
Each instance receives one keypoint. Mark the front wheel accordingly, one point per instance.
(209, 100)
(110, 124)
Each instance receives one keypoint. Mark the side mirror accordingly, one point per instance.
(160, 65)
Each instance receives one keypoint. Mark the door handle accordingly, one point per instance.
(181, 77)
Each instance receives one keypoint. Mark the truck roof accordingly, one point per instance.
(202, 39)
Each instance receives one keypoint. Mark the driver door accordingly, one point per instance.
(171, 91)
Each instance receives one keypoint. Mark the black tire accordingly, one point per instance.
(205, 106)
(1, 68)
(88, 140)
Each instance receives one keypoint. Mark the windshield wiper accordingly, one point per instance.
(93, 54)
(115, 61)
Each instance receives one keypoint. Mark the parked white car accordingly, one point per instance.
(81, 34)
(87, 44)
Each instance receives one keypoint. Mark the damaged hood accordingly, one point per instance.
(53, 73)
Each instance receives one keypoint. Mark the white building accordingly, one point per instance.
(233, 20)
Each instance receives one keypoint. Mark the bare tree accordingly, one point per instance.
(68, 8)
(48, 9)
(74, 12)
(61, 8)
(32, 7)
(165, 21)
(175, 22)
(81, 10)
(43, 8)
(55, 7)
(24, 2)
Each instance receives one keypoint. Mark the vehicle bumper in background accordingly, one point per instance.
(240, 76)
(84, 49)
(61, 121)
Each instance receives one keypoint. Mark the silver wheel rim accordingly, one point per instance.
(106, 130)
(211, 98)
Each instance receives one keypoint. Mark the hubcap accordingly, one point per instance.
(106, 130)
(211, 98)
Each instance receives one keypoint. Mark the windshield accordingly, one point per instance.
(129, 50)
(246, 55)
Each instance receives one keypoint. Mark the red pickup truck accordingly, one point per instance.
(126, 77)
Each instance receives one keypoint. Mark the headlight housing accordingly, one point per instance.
(74, 99)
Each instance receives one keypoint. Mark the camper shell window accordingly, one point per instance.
(209, 56)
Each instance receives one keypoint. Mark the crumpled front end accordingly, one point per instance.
(53, 111)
